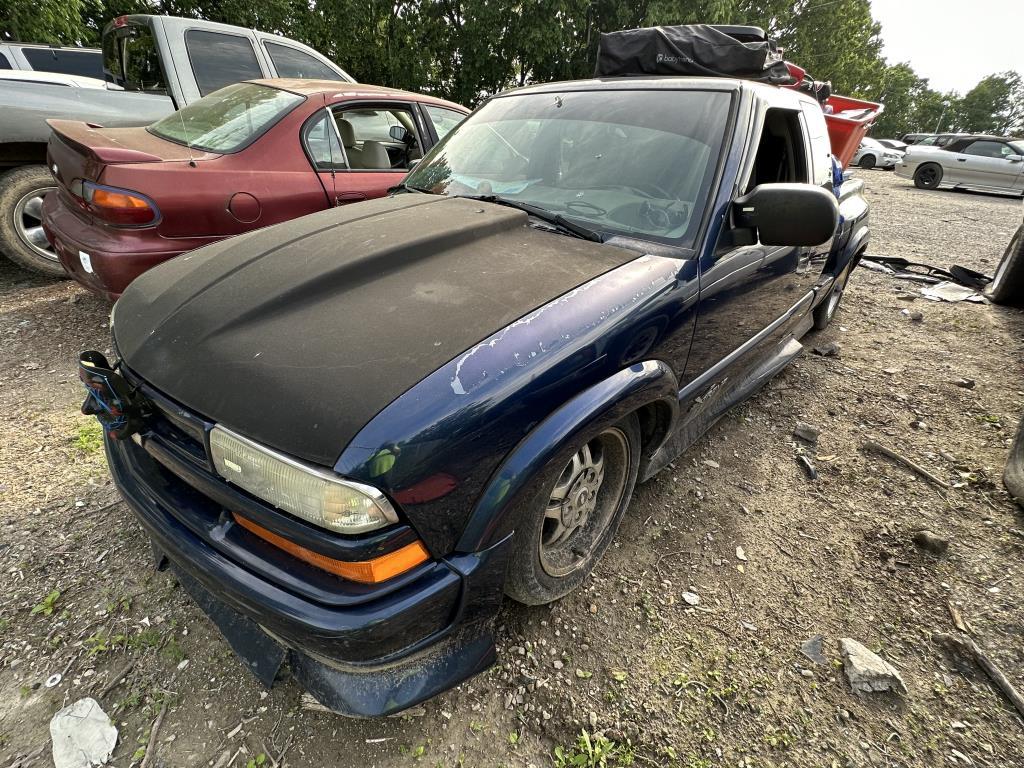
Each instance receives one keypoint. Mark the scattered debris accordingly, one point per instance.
(54, 680)
(153, 732)
(691, 598)
(947, 291)
(871, 445)
(965, 646)
(806, 432)
(913, 315)
(868, 672)
(965, 383)
(82, 735)
(740, 554)
(808, 466)
(710, 463)
(958, 620)
(828, 349)
(929, 542)
(813, 649)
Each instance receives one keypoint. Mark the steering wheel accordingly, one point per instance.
(573, 205)
(658, 218)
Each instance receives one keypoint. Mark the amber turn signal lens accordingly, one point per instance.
(105, 198)
(364, 571)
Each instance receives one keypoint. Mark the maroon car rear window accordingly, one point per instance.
(227, 120)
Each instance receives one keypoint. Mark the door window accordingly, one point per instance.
(322, 143)
(780, 152)
(443, 119)
(219, 59)
(83, 63)
(291, 62)
(995, 149)
(366, 133)
(4, 63)
(131, 61)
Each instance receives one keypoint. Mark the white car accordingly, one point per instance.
(988, 163)
(50, 78)
(874, 154)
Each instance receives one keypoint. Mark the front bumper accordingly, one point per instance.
(361, 650)
(106, 259)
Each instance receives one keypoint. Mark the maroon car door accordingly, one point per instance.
(381, 140)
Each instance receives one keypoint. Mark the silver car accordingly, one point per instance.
(987, 163)
(874, 154)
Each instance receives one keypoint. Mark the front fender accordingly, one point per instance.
(497, 511)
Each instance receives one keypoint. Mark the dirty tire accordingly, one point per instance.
(928, 176)
(824, 312)
(1013, 475)
(542, 569)
(20, 191)
(1008, 285)
(867, 162)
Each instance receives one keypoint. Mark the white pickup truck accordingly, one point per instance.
(152, 65)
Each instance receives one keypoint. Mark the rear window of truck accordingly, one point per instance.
(228, 120)
(219, 59)
(131, 60)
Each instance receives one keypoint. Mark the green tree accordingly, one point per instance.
(994, 105)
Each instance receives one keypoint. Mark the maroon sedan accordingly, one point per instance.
(247, 156)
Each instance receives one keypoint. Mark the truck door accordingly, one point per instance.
(747, 287)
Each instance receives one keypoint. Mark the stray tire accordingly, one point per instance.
(867, 162)
(928, 176)
(582, 495)
(21, 220)
(824, 312)
(1007, 287)
(1013, 475)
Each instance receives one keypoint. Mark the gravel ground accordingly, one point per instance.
(774, 558)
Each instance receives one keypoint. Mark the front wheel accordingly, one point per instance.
(22, 238)
(928, 176)
(824, 312)
(582, 495)
(1007, 287)
(867, 162)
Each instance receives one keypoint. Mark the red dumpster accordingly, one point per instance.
(848, 121)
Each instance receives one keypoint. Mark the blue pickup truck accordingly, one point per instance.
(351, 434)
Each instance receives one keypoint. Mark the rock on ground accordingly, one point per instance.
(867, 671)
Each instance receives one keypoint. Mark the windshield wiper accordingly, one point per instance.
(403, 187)
(543, 214)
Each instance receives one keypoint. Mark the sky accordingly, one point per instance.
(951, 42)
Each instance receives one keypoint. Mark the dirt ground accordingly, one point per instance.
(774, 557)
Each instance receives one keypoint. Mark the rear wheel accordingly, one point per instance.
(22, 238)
(928, 176)
(867, 162)
(1007, 287)
(582, 495)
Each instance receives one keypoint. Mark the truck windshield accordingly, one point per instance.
(227, 120)
(637, 163)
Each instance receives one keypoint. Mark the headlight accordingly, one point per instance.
(313, 494)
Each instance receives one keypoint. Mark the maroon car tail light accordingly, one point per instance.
(120, 207)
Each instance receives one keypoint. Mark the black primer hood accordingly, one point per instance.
(298, 334)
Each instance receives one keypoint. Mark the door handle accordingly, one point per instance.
(961, 159)
(341, 198)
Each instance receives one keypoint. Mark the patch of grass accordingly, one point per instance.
(47, 604)
(594, 751)
(173, 651)
(256, 762)
(147, 638)
(89, 437)
(103, 642)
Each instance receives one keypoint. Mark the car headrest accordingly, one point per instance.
(347, 132)
(374, 155)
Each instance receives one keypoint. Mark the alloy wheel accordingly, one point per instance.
(28, 223)
(583, 502)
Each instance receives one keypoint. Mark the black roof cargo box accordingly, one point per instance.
(693, 49)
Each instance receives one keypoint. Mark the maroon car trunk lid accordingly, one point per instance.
(80, 150)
